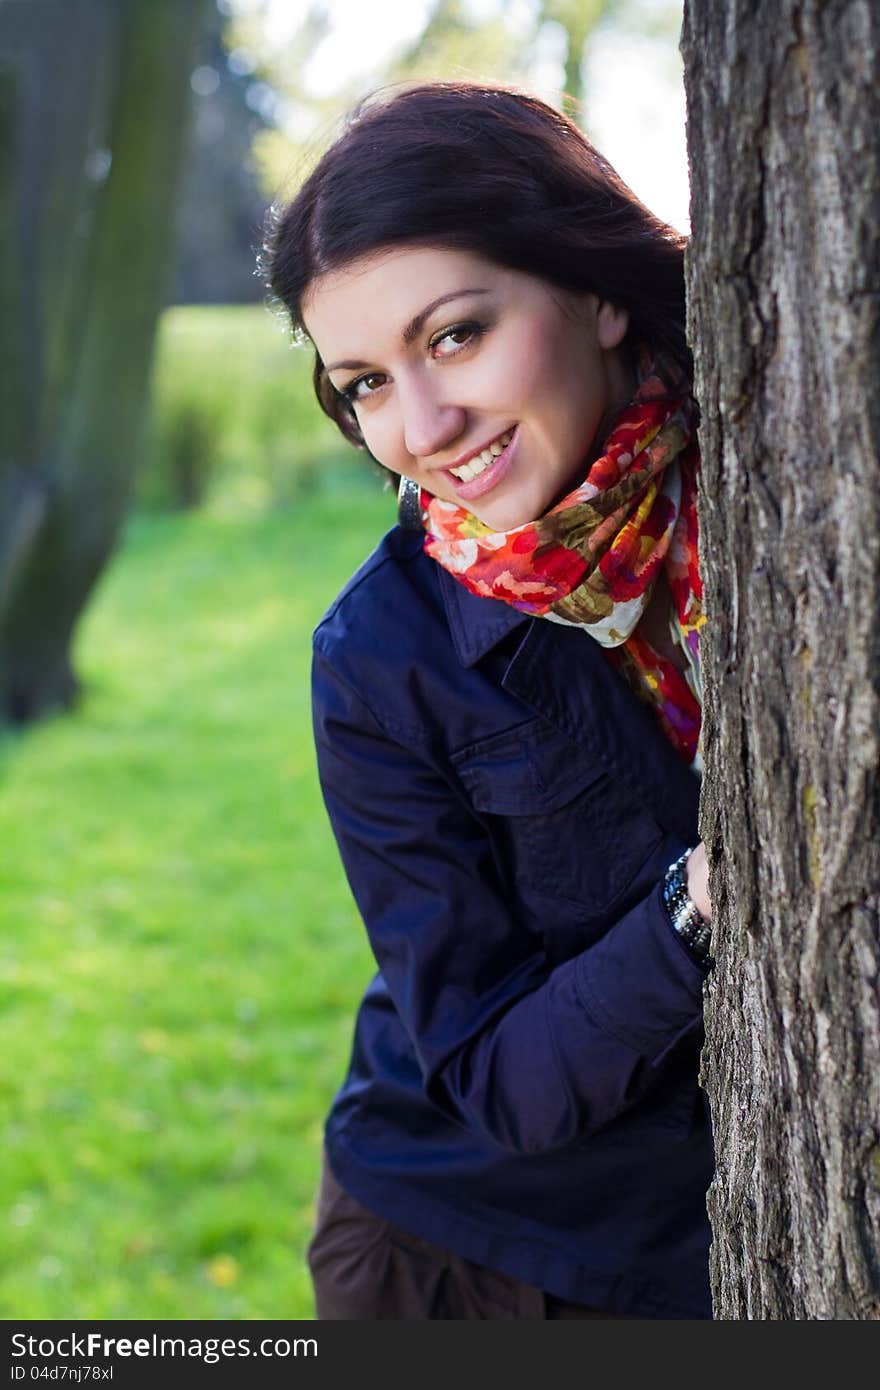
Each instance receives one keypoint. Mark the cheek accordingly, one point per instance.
(545, 369)
(574, 387)
(382, 437)
(518, 378)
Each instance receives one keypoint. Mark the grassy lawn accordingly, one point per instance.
(180, 956)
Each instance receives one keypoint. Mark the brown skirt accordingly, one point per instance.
(365, 1268)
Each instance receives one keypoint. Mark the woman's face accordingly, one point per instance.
(485, 385)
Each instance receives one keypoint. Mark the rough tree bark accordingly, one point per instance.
(784, 288)
(93, 101)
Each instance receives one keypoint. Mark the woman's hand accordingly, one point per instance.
(698, 880)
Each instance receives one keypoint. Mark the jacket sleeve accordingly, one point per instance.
(532, 1057)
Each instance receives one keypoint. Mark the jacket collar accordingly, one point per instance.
(476, 623)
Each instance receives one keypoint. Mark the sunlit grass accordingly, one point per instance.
(180, 956)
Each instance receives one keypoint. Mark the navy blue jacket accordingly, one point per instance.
(522, 1086)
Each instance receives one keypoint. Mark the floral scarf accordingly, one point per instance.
(593, 559)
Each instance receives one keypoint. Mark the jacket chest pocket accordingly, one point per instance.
(564, 828)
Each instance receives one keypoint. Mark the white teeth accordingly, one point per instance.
(469, 470)
(475, 466)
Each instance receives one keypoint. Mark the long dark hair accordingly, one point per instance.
(486, 169)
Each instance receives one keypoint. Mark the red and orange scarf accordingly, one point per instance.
(594, 557)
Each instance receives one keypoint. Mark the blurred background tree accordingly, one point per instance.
(577, 19)
(508, 41)
(94, 100)
(221, 201)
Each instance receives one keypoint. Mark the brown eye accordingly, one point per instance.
(372, 382)
(458, 336)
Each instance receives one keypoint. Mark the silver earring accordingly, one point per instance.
(409, 504)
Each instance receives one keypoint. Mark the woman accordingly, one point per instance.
(506, 719)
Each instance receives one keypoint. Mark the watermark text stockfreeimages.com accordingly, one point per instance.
(90, 1345)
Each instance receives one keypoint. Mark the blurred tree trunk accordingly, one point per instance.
(784, 289)
(578, 18)
(93, 105)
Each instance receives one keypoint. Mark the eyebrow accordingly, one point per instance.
(412, 329)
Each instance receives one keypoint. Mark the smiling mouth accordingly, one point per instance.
(483, 460)
(483, 476)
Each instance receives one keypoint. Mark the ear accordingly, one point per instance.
(611, 324)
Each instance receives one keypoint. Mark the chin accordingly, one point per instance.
(506, 518)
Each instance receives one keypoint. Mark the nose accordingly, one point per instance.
(430, 424)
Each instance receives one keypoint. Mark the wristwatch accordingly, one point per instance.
(685, 918)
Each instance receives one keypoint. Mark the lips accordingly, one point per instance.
(479, 461)
(490, 477)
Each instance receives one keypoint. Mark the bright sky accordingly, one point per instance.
(635, 97)
(635, 116)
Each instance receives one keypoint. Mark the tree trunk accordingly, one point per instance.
(93, 101)
(784, 286)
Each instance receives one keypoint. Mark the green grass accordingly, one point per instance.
(180, 955)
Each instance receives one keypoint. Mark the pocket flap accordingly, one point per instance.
(524, 770)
